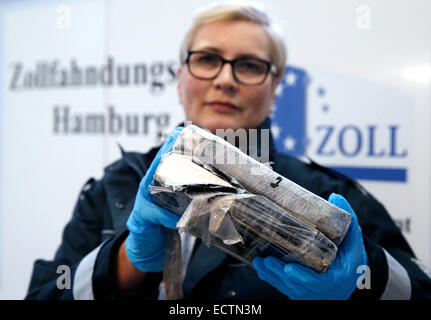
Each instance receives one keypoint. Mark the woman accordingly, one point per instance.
(232, 61)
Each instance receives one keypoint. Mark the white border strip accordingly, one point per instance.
(83, 280)
(398, 286)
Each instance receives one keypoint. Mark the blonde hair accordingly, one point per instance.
(240, 11)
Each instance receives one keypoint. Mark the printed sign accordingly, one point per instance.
(357, 127)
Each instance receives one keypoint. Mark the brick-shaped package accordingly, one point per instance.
(259, 179)
(217, 210)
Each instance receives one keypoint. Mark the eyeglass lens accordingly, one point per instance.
(246, 70)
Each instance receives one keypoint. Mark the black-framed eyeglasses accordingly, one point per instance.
(246, 70)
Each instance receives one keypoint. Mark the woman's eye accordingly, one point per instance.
(250, 66)
(207, 59)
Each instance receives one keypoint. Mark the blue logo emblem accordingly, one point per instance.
(289, 113)
(342, 140)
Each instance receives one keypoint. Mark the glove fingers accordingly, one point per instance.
(275, 265)
(164, 149)
(292, 273)
(146, 253)
(301, 282)
(163, 217)
(304, 282)
(169, 219)
(340, 202)
(298, 274)
(258, 264)
(352, 242)
(266, 274)
(271, 274)
(169, 142)
(151, 217)
(354, 231)
(291, 278)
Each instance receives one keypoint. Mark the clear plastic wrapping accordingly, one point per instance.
(222, 213)
(240, 205)
(247, 226)
(259, 179)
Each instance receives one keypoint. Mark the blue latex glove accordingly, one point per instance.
(145, 244)
(338, 283)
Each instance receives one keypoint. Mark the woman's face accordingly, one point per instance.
(223, 103)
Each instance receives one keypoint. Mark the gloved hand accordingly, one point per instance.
(338, 283)
(145, 244)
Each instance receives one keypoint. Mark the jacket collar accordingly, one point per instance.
(139, 162)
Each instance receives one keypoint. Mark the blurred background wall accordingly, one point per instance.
(79, 78)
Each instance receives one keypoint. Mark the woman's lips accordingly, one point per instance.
(223, 106)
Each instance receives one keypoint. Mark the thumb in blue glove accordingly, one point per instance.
(302, 283)
(146, 241)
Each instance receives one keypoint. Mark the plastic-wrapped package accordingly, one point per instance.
(218, 210)
(247, 226)
(259, 179)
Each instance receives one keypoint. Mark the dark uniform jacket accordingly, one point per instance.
(93, 236)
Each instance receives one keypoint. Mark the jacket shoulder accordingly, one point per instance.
(135, 162)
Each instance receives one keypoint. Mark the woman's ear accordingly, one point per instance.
(275, 83)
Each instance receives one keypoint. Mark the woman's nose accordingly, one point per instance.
(225, 78)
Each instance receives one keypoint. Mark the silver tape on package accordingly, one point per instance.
(259, 179)
(216, 209)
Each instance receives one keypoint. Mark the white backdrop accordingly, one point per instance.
(78, 77)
